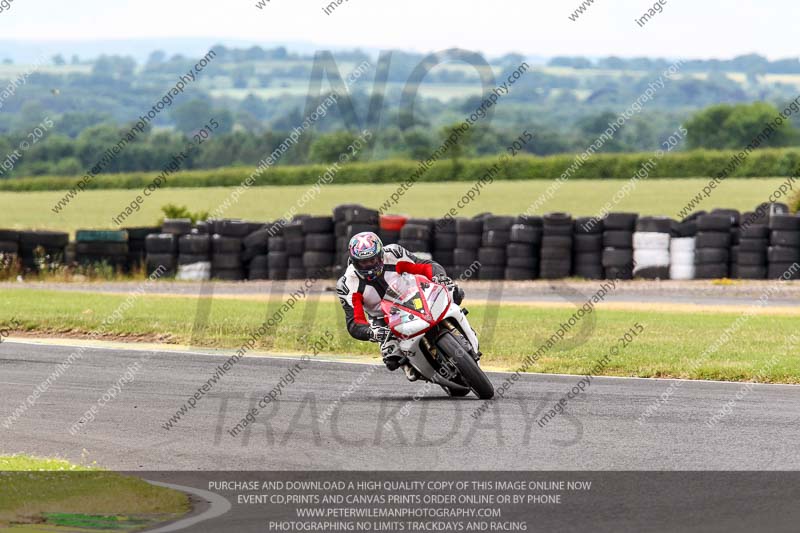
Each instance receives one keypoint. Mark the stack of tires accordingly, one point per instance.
(556, 254)
(765, 211)
(784, 249)
(252, 227)
(651, 248)
(358, 219)
(587, 248)
(444, 245)
(469, 234)
(735, 218)
(204, 227)
(162, 249)
(162, 252)
(319, 247)
(713, 246)
(618, 229)
(256, 248)
(136, 249)
(524, 248)
(416, 236)
(682, 248)
(494, 245)
(94, 248)
(342, 223)
(176, 226)
(295, 243)
(277, 258)
(9, 249)
(681, 258)
(750, 254)
(194, 256)
(226, 249)
(42, 248)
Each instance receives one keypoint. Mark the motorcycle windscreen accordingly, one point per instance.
(438, 300)
(411, 305)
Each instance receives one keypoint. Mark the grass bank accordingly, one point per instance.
(95, 208)
(671, 344)
(54, 495)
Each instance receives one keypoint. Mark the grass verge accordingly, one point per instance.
(95, 208)
(51, 494)
(672, 342)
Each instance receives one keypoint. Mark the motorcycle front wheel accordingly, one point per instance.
(467, 367)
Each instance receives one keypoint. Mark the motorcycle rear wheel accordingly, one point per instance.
(466, 365)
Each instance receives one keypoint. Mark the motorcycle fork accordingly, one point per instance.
(432, 352)
(455, 327)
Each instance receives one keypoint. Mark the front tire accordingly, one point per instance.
(455, 393)
(466, 365)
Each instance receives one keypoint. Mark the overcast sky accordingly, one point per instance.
(685, 28)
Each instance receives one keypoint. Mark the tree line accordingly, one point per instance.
(718, 127)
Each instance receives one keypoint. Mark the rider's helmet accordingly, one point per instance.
(366, 255)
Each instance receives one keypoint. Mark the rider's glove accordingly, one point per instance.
(379, 334)
(392, 356)
(458, 293)
(444, 280)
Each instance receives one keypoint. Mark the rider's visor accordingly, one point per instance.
(368, 264)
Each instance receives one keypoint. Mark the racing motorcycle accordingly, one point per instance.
(434, 335)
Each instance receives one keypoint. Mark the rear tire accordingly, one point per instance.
(467, 366)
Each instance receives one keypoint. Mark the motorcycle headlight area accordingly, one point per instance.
(409, 325)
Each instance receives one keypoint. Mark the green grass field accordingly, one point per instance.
(54, 495)
(670, 343)
(95, 208)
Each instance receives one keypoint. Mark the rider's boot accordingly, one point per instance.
(393, 360)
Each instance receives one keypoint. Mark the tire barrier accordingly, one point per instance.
(651, 248)
(98, 247)
(493, 251)
(587, 248)
(784, 245)
(194, 257)
(618, 229)
(9, 251)
(760, 244)
(556, 252)
(524, 249)
(681, 258)
(712, 255)
(137, 252)
(40, 250)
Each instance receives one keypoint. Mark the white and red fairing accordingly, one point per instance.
(413, 305)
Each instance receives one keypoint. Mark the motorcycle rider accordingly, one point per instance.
(371, 269)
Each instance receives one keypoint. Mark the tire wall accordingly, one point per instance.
(719, 244)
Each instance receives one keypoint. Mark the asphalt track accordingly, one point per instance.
(380, 426)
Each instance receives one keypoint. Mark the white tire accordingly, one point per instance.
(194, 271)
(681, 272)
(681, 258)
(648, 240)
(650, 258)
(683, 244)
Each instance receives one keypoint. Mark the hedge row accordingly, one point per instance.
(697, 163)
